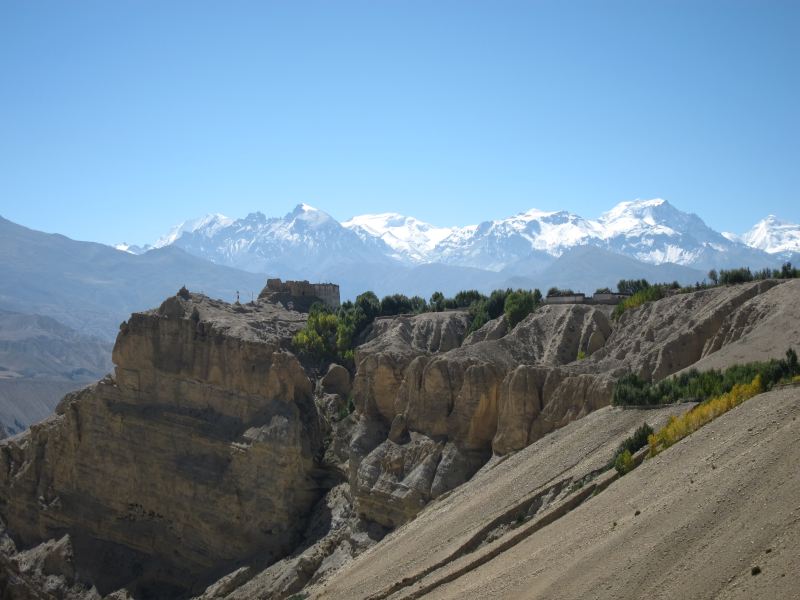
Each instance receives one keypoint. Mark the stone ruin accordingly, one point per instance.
(300, 295)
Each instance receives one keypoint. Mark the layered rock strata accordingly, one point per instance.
(433, 413)
(199, 452)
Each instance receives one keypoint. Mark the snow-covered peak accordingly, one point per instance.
(208, 225)
(774, 236)
(132, 248)
(309, 216)
(408, 237)
(732, 237)
(632, 218)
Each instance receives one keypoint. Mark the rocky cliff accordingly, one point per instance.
(212, 463)
(199, 452)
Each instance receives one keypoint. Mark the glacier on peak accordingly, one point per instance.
(774, 236)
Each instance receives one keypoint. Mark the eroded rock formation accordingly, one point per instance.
(198, 453)
(211, 463)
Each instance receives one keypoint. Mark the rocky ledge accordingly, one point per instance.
(198, 453)
(213, 463)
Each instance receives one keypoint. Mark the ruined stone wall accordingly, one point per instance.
(328, 293)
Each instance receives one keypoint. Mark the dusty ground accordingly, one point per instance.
(446, 526)
(711, 508)
(771, 322)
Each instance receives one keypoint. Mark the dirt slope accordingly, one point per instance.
(499, 493)
(767, 325)
(712, 507)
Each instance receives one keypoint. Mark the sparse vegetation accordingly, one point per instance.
(696, 386)
(644, 293)
(331, 336)
(624, 462)
(631, 445)
(555, 292)
(705, 412)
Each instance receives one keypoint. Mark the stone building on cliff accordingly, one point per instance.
(300, 295)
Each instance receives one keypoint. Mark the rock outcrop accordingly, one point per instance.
(211, 463)
(198, 453)
(448, 411)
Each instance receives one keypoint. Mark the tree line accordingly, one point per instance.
(332, 335)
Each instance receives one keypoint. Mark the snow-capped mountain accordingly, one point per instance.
(774, 236)
(652, 231)
(656, 232)
(410, 238)
(207, 226)
(132, 248)
(372, 251)
(305, 243)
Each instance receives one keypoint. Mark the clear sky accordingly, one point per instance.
(121, 118)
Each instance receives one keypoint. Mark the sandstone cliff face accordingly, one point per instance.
(198, 453)
(661, 338)
(203, 464)
(449, 410)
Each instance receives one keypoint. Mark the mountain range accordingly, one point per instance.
(382, 251)
(90, 288)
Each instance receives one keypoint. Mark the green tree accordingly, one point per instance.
(631, 286)
(496, 304)
(369, 303)
(437, 302)
(467, 298)
(518, 305)
(713, 276)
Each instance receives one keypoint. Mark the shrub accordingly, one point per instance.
(647, 294)
(633, 443)
(554, 291)
(679, 427)
(696, 386)
(624, 462)
(319, 338)
(581, 355)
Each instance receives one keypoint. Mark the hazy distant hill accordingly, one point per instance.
(93, 288)
(40, 361)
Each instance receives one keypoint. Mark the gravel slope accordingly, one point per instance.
(714, 506)
(771, 324)
(448, 524)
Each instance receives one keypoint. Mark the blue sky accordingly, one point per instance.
(120, 119)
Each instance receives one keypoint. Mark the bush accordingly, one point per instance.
(632, 444)
(646, 294)
(555, 292)
(624, 462)
(705, 412)
(603, 290)
(319, 338)
(696, 386)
